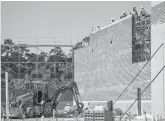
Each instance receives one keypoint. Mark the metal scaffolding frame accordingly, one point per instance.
(37, 45)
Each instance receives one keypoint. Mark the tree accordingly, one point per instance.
(61, 70)
(23, 54)
(12, 54)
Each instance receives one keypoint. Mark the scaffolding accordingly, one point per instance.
(141, 39)
(45, 52)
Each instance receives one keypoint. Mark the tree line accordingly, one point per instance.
(20, 62)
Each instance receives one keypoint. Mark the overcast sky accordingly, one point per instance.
(62, 19)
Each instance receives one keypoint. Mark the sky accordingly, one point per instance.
(60, 19)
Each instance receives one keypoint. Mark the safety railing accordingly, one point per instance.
(139, 72)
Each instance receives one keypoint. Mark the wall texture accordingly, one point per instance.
(158, 37)
(104, 68)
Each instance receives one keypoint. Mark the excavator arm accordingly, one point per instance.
(77, 98)
(62, 90)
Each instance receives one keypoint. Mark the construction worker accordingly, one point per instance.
(88, 106)
(134, 12)
(112, 20)
(142, 13)
(43, 99)
(35, 98)
(124, 15)
(67, 108)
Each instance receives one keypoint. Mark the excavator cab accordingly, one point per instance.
(39, 96)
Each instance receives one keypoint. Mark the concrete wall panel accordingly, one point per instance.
(104, 68)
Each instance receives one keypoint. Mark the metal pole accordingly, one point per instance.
(145, 116)
(73, 64)
(37, 57)
(139, 101)
(110, 109)
(54, 63)
(19, 57)
(19, 62)
(7, 96)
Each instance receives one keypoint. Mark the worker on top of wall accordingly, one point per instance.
(142, 13)
(134, 12)
(124, 15)
(112, 20)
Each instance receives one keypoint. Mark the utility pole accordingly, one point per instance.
(139, 101)
(7, 96)
(110, 110)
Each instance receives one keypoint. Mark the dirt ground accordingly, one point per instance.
(47, 119)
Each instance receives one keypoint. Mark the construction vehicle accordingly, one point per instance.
(30, 105)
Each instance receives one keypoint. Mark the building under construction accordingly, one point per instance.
(114, 61)
(112, 58)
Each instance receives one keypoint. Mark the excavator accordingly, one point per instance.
(28, 105)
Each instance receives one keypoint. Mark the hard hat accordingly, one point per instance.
(67, 104)
(112, 19)
(124, 12)
(141, 7)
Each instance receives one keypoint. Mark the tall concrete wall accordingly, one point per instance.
(158, 37)
(104, 68)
